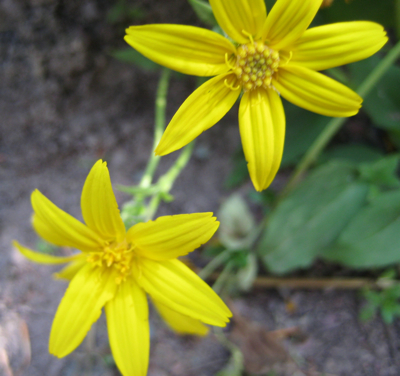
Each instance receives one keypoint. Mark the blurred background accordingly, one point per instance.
(71, 92)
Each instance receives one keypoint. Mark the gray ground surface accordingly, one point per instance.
(64, 103)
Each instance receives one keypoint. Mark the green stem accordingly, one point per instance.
(166, 181)
(159, 126)
(214, 264)
(335, 124)
(223, 277)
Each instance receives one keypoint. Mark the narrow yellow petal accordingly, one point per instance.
(173, 284)
(172, 236)
(236, 16)
(80, 307)
(201, 110)
(99, 206)
(316, 92)
(337, 44)
(71, 269)
(128, 329)
(42, 258)
(186, 49)
(288, 20)
(182, 324)
(60, 228)
(262, 130)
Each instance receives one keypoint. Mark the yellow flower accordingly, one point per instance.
(117, 268)
(269, 56)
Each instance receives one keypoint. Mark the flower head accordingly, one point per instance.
(116, 269)
(263, 58)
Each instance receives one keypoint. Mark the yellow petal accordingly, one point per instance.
(80, 307)
(262, 130)
(128, 329)
(60, 228)
(42, 258)
(337, 44)
(173, 284)
(288, 20)
(71, 269)
(186, 49)
(99, 206)
(234, 16)
(182, 324)
(172, 236)
(204, 107)
(316, 92)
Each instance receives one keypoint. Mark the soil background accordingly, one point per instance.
(66, 102)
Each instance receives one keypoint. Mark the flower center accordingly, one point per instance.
(114, 255)
(255, 65)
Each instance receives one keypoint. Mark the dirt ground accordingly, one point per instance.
(64, 103)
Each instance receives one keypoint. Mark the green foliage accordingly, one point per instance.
(237, 223)
(204, 12)
(381, 11)
(386, 301)
(383, 172)
(383, 103)
(353, 153)
(312, 217)
(302, 129)
(372, 238)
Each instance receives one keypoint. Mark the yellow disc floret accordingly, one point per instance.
(114, 255)
(255, 65)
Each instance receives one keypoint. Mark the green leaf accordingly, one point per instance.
(381, 11)
(387, 313)
(383, 102)
(367, 312)
(246, 275)
(204, 12)
(237, 223)
(312, 217)
(353, 153)
(372, 237)
(130, 55)
(302, 129)
(382, 172)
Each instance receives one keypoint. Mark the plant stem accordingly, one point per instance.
(335, 124)
(223, 277)
(214, 264)
(159, 125)
(166, 181)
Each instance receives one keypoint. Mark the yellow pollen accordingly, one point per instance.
(255, 65)
(242, 53)
(238, 71)
(114, 255)
(248, 86)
